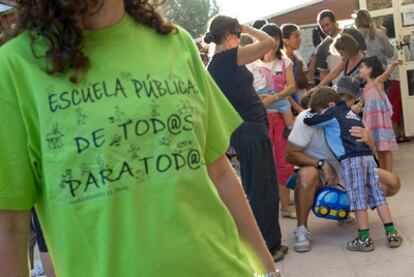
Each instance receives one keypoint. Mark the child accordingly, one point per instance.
(378, 110)
(274, 75)
(357, 163)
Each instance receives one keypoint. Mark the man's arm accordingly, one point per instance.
(296, 156)
(14, 243)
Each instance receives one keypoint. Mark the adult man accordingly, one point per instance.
(326, 61)
(307, 148)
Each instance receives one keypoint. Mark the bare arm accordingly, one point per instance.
(255, 51)
(381, 79)
(291, 84)
(334, 73)
(14, 244)
(296, 155)
(231, 192)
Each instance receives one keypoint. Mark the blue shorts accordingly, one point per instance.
(281, 106)
(361, 183)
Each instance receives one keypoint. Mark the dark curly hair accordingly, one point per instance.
(59, 23)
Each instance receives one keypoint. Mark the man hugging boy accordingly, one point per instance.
(332, 112)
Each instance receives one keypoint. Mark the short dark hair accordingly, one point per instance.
(274, 31)
(375, 64)
(259, 23)
(389, 24)
(322, 97)
(305, 101)
(289, 29)
(326, 13)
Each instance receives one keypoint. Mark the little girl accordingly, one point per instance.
(378, 110)
(277, 76)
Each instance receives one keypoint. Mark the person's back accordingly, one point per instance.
(236, 82)
(118, 158)
(337, 121)
(379, 46)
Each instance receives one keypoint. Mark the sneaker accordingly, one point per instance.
(288, 214)
(394, 240)
(38, 270)
(280, 253)
(359, 245)
(302, 239)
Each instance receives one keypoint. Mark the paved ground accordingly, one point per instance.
(330, 258)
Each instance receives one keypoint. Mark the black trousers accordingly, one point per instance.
(254, 149)
(41, 243)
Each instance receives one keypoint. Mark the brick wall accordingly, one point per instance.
(307, 15)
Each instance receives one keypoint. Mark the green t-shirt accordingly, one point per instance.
(117, 163)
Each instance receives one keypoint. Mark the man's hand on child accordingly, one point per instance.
(329, 174)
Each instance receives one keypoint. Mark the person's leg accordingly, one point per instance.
(308, 183)
(289, 119)
(385, 160)
(306, 187)
(259, 180)
(283, 192)
(362, 219)
(47, 264)
(389, 182)
(285, 208)
(44, 255)
(284, 169)
(385, 214)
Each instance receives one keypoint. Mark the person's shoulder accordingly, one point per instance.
(304, 114)
(18, 45)
(324, 46)
(15, 50)
(288, 61)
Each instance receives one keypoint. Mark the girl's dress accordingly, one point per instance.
(377, 117)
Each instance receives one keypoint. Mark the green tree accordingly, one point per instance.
(192, 15)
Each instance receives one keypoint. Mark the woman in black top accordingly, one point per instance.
(250, 140)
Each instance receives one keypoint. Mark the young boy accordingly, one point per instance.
(357, 162)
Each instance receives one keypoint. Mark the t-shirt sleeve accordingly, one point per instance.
(301, 134)
(18, 190)
(221, 118)
(288, 61)
(322, 56)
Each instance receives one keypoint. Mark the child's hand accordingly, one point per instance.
(397, 62)
(358, 108)
(267, 100)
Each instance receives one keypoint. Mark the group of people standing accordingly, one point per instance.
(259, 67)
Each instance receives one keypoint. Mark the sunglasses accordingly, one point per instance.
(237, 34)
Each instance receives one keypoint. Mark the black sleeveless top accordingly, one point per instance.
(236, 82)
